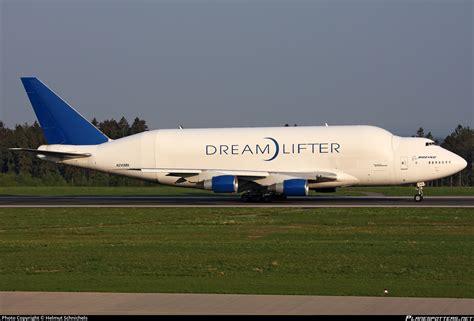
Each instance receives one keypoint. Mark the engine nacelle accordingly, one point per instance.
(222, 184)
(291, 187)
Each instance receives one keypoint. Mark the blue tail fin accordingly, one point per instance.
(61, 124)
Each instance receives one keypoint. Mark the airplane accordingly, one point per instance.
(263, 164)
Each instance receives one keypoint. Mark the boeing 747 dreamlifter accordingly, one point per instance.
(261, 163)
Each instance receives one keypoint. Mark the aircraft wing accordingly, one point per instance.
(61, 155)
(193, 172)
(312, 177)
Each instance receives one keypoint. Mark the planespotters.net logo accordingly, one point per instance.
(438, 318)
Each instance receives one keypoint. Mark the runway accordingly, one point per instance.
(233, 201)
(80, 303)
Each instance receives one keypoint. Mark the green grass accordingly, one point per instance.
(360, 251)
(160, 190)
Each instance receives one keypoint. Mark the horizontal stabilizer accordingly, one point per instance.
(64, 155)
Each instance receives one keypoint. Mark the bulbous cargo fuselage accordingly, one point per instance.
(360, 155)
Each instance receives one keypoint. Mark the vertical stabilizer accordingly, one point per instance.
(61, 124)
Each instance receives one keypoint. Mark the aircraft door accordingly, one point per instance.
(403, 163)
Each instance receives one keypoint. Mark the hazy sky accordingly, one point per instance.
(394, 64)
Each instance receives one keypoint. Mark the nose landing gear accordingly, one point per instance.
(419, 192)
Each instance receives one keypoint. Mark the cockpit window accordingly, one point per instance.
(430, 144)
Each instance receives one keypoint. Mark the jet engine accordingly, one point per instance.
(291, 187)
(222, 184)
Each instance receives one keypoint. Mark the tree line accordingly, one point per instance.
(25, 169)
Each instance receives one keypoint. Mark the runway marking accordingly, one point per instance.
(78, 303)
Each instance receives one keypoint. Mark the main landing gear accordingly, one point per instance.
(419, 192)
(262, 197)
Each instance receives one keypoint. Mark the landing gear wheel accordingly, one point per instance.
(251, 197)
(419, 192)
(259, 197)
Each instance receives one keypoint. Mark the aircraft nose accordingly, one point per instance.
(460, 163)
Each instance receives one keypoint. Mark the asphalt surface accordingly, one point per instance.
(232, 201)
(80, 303)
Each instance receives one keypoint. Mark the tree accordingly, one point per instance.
(138, 126)
(123, 127)
(420, 132)
(110, 128)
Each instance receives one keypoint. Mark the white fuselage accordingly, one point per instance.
(359, 155)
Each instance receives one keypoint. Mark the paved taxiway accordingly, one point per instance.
(78, 303)
(232, 201)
